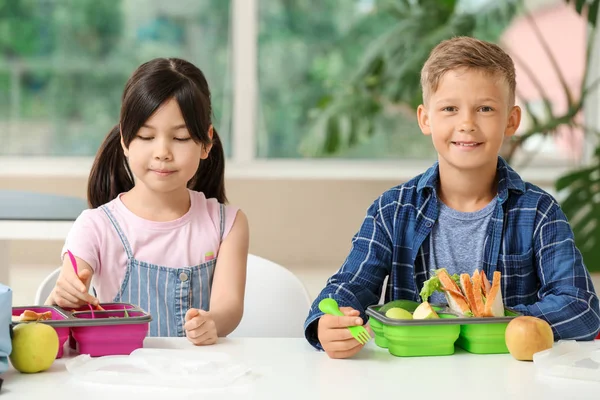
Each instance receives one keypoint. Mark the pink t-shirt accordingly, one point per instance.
(180, 243)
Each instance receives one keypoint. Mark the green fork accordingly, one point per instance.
(330, 306)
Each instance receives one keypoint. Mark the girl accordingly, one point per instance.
(158, 234)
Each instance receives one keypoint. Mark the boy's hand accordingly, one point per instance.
(334, 335)
(71, 290)
(200, 328)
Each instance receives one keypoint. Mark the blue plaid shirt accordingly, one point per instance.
(529, 240)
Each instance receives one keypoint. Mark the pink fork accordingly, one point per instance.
(74, 264)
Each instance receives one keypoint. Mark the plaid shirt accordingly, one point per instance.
(529, 240)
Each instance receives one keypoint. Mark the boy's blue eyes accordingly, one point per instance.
(482, 108)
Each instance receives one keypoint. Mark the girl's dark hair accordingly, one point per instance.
(153, 83)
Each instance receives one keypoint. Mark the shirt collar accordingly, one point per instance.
(508, 179)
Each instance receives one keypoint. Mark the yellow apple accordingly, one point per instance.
(398, 313)
(34, 347)
(526, 336)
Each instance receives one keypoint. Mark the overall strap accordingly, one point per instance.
(222, 222)
(122, 237)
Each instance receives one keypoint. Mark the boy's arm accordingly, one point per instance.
(567, 297)
(359, 281)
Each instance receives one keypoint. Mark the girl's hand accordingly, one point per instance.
(71, 290)
(200, 328)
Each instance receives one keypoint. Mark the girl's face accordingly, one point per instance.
(162, 156)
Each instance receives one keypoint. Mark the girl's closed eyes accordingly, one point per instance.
(179, 139)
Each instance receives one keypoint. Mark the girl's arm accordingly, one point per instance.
(229, 281)
(84, 240)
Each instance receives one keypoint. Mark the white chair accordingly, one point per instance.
(276, 302)
(43, 291)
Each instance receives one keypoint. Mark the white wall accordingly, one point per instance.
(304, 224)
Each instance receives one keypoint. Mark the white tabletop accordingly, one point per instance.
(290, 368)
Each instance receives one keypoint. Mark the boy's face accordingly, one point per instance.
(468, 117)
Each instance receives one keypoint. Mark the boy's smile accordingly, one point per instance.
(466, 145)
(468, 117)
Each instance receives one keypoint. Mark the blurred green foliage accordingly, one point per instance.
(64, 63)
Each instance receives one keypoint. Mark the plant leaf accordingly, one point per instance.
(590, 7)
(582, 208)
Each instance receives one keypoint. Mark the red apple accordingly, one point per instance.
(526, 336)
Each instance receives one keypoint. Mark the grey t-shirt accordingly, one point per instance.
(456, 241)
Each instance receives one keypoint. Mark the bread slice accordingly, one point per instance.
(485, 284)
(494, 306)
(467, 288)
(456, 300)
(478, 294)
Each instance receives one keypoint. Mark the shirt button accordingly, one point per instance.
(428, 224)
(183, 276)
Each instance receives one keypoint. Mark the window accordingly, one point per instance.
(311, 52)
(273, 65)
(307, 51)
(64, 64)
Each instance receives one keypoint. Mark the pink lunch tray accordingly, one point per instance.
(118, 330)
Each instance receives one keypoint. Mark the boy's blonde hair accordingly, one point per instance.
(470, 53)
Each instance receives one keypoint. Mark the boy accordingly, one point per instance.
(469, 210)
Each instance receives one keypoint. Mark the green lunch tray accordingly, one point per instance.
(437, 337)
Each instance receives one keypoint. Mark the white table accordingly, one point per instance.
(291, 369)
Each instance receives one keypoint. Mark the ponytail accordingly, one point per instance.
(210, 176)
(110, 174)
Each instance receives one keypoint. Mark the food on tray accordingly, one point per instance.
(469, 296)
(125, 314)
(527, 335)
(398, 313)
(425, 311)
(29, 315)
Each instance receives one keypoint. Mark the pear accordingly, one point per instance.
(424, 311)
(398, 313)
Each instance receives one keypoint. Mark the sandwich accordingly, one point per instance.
(469, 296)
(29, 315)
